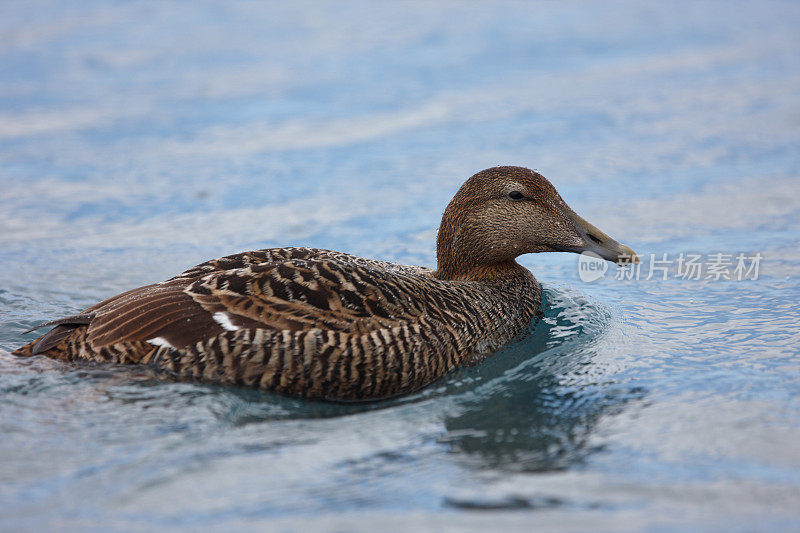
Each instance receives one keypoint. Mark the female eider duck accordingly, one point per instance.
(322, 324)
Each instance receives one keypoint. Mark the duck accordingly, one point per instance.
(328, 325)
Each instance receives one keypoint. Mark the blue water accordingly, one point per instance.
(138, 139)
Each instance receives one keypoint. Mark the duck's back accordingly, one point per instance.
(301, 321)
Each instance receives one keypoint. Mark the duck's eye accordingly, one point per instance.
(516, 195)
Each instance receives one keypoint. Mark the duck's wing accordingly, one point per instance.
(290, 295)
(248, 289)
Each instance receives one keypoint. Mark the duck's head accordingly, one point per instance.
(503, 212)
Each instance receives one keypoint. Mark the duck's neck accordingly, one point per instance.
(485, 273)
(464, 255)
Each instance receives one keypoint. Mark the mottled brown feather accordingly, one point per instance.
(330, 325)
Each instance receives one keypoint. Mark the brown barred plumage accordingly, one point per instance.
(323, 324)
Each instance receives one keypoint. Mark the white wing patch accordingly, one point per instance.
(160, 341)
(222, 319)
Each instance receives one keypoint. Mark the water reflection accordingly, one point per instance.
(531, 417)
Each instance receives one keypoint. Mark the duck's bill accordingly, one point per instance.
(599, 243)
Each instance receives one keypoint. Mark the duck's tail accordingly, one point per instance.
(64, 328)
(24, 351)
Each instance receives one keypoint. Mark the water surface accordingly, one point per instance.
(138, 139)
